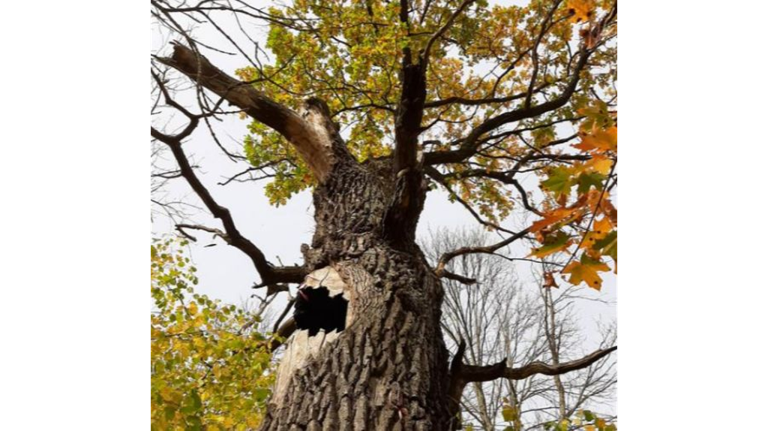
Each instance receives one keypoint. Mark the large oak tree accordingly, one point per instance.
(373, 104)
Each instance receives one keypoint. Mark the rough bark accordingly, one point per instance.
(388, 370)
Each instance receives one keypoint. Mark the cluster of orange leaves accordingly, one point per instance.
(588, 218)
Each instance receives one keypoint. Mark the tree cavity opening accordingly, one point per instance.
(316, 310)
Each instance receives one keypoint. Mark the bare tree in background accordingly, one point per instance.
(503, 318)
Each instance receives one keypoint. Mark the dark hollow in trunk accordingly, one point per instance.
(316, 310)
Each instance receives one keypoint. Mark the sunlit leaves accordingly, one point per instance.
(600, 229)
(511, 415)
(350, 53)
(607, 246)
(207, 373)
(508, 412)
(559, 182)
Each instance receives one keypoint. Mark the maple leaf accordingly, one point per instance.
(604, 140)
(586, 271)
(588, 179)
(597, 117)
(555, 216)
(559, 182)
(608, 246)
(552, 244)
(599, 202)
(600, 229)
(581, 10)
(599, 164)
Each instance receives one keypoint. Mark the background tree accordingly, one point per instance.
(372, 104)
(505, 318)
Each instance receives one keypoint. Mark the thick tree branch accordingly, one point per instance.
(489, 249)
(472, 373)
(456, 386)
(269, 273)
(311, 133)
(456, 277)
(410, 189)
(403, 212)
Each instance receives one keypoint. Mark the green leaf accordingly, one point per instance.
(608, 246)
(261, 394)
(552, 244)
(509, 413)
(588, 179)
(559, 181)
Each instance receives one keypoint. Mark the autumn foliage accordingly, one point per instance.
(210, 369)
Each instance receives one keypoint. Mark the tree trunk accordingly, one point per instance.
(388, 369)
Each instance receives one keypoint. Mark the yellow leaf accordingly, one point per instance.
(586, 271)
(600, 164)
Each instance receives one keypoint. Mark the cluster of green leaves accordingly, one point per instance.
(207, 372)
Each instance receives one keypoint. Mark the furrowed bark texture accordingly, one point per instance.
(388, 370)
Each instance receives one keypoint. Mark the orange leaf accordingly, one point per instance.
(549, 280)
(604, 140)
(581, 10)
(553, 217)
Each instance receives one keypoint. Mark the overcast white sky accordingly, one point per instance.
(227, 274)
